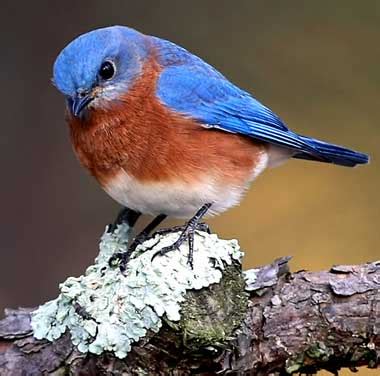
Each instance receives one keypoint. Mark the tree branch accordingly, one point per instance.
(274, 322)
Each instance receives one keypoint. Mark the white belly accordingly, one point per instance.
(177, 199)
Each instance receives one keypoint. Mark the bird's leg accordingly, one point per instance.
(128, 216)
(123, 257)
(187, 233)
(125, 215)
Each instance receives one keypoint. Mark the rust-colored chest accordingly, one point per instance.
(121, 135)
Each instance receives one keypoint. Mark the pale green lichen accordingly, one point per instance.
(105, 310)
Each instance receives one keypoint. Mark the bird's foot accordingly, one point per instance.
(121, 258)
(187, 233)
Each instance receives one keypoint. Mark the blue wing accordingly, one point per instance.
(192, 87)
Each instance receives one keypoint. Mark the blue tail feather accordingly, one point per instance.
(331, 153)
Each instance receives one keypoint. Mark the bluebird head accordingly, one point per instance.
(97, 67)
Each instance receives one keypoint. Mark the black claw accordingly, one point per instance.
(165, 250)
(187, 233)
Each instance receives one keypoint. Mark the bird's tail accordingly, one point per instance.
(330, 153)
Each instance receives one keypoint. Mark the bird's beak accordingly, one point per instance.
(80, 102)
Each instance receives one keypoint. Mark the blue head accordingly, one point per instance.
(97, 67)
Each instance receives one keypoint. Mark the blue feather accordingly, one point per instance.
(194, 88)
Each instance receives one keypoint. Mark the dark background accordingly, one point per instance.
(315, 63)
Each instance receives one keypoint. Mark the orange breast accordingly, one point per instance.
(154, 144)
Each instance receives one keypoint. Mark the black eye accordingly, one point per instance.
(107, 70)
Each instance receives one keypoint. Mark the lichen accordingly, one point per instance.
(250, 279)
(106, 310)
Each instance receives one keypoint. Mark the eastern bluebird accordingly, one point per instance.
(165, 133)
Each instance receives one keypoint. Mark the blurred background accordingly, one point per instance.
(316, 64)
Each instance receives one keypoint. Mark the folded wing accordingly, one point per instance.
(192, 87)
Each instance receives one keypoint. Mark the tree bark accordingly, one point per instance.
(299, 322)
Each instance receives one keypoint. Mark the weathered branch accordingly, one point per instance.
(284, 323)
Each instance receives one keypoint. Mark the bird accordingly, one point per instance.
(166, 134)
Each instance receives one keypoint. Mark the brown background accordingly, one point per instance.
(315, 63)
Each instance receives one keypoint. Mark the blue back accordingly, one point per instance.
(194, 88)
(191, 86)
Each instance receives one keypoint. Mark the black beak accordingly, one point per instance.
(80, 102)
